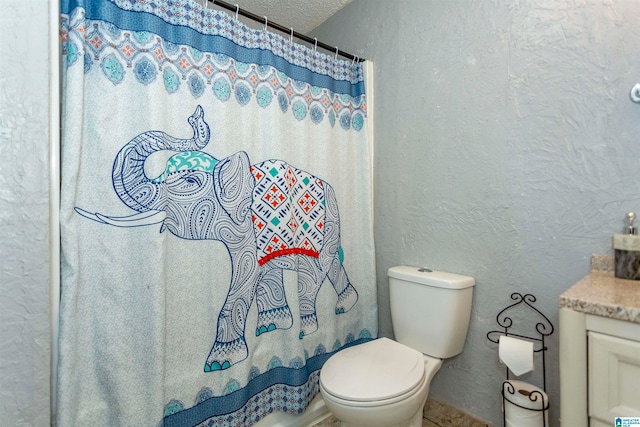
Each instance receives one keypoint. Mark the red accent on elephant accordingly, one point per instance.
(289, 251)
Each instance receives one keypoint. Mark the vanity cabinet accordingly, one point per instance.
(614, 376)
(599, 330)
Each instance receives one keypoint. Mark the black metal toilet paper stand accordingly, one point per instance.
(544, 328)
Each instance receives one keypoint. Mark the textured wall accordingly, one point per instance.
(24, 211)
(506, 149)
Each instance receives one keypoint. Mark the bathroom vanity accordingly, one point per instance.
(599, 350)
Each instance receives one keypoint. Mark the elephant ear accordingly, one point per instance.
(234, 184)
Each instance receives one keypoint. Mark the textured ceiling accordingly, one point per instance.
(302, 15)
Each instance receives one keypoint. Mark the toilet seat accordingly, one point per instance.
(380, 370)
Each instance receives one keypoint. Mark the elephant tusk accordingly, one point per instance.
(88, 214)
(135, 220)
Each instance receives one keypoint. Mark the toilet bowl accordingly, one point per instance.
(378, 384)
(385, 383)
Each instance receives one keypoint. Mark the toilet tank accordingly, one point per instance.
(430, 310)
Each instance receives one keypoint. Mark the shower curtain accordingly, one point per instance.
(216, 216)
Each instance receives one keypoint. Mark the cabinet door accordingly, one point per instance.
(614, 377)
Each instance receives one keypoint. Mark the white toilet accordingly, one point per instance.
(385, 383)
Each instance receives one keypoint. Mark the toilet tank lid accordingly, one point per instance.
(425, 276)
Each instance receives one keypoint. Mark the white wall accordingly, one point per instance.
(506, 149)
(24, 213)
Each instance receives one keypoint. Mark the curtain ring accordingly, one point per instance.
(354, 60)
(266, 23)
(315, 46)
(335, 62)
(291, 37)
(237, 10)
(206, 5)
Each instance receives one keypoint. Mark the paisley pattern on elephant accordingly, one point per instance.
(270, 216)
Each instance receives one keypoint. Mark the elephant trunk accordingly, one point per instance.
(132, 185)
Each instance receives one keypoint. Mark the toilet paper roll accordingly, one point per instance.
(516, 354)
(529, 397)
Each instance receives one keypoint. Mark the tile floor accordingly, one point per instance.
(436, 414)
(332, 422)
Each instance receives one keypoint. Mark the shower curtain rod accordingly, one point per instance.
(282, 28)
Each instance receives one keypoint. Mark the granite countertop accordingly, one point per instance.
(602, 294)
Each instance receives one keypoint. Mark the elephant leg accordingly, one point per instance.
(347, 294)
(310, 277)
(273, 310)
(230, 346)
(331, 256)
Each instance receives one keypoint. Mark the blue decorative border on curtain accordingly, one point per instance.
(118, 52)
(264, 394)
(207, 31)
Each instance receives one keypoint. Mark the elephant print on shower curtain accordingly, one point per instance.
(270, 216)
